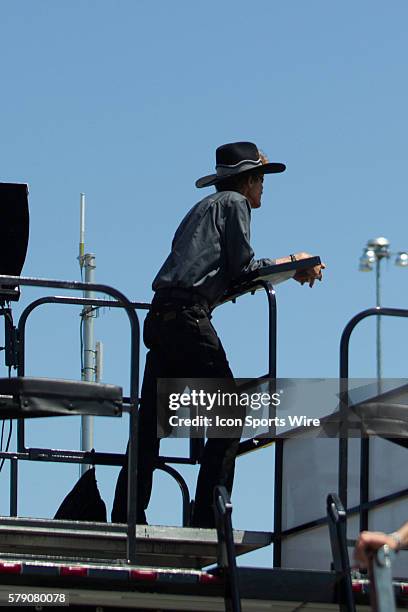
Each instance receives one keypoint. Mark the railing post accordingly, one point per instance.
(13, 485)
(343, 441)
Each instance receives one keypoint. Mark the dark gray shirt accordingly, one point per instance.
(211, 248)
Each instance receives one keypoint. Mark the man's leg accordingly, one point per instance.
(218, 461)
(217, 468)
(148, 449)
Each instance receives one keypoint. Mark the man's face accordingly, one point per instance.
(255, 189)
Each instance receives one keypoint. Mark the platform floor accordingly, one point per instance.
(157, 546)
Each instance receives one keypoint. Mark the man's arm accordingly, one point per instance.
(239, 251)
(310, 275)
(240, 255)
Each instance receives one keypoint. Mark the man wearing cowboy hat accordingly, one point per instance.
(210, 250)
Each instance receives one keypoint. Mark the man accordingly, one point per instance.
(210, 250)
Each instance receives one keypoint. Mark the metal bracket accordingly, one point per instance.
(337, 519)
(10, 339)
(226, 550)
(381, 589)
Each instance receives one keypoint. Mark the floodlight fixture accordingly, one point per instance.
(380, 246)
(375, 251)
(367, 260)
(401, 259)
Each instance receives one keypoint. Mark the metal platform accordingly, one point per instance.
(157, 546)
(129, 587)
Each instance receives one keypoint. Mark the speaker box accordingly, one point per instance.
(14, 232)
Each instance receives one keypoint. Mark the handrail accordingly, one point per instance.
(244, 447)
(365, 505)
(134, 380)
(56, 299)
(345, 337)
(256, 443)
(95, 458)
(344, 374)
(183, 488)
(21, 335)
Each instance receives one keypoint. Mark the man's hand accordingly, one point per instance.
(310, 275)
(370, 541)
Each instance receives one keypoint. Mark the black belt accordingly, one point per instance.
(178, 295)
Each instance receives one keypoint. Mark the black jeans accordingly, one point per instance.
(182, 343)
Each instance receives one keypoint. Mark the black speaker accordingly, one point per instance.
(14, 232)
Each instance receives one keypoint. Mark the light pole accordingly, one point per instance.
(376, 250)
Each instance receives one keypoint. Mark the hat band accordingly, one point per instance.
(245, 164)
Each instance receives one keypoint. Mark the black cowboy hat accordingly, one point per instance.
(234, 158)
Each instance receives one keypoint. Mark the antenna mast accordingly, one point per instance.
(87, 261)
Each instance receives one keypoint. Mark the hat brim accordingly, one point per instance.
(213, 179)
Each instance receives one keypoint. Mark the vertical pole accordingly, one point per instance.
(81, 230)
(88, 372)
(378, 319)
(278, 477)
(13, 485)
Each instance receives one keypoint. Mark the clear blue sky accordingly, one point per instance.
(127, 101)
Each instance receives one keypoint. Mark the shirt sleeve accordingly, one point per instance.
(240, 256)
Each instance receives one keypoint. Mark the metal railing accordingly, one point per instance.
(134, 386)
(365, 504)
